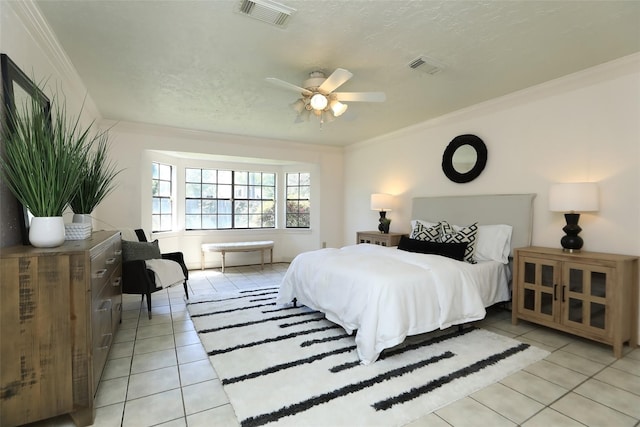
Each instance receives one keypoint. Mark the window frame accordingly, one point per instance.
(161, 198)
(298, 213)
(235, 187)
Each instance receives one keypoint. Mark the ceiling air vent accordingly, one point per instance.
(426, 65)
(266, 11)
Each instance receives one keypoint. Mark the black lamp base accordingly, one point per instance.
(571, 242)
(383, 227)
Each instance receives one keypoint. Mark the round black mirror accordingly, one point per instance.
(464, 158)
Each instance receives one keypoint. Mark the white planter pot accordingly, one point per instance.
(46, 232)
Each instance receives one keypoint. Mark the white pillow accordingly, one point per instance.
(494, 243)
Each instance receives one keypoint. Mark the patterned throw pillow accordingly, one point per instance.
(455, 234)
(425, 233)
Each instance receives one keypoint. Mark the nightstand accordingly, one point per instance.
(589, 294)
(378, 238)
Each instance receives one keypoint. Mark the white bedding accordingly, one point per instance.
(387, 294)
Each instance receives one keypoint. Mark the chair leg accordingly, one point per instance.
(186, 292)
(149, 304)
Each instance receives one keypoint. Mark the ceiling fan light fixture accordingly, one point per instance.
(338, 108)
(319, 102)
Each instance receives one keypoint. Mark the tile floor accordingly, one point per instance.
(158, 373)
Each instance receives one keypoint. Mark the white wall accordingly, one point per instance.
(583, 127)
(135, 146)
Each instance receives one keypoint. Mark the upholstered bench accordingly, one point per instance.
(223, 248)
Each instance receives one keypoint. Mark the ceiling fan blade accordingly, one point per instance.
(361, 96)
(287, 85)
(336, 79)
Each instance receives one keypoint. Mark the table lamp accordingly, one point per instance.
(383, 203)
(573, 198)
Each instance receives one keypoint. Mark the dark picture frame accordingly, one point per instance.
(17, 88)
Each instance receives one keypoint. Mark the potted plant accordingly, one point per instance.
(96, 182)
(44, 158)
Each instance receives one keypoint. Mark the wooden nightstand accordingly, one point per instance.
(378, 238)
(593, 295)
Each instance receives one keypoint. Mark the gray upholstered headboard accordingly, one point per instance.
(512, 209)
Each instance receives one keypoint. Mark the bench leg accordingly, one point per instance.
(222, 261)
(262, 259)
(271, 258)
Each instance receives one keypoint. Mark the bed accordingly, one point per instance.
(386, 294)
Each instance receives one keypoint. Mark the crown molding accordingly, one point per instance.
(40, 31)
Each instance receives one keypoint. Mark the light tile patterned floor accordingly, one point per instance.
(158, 373)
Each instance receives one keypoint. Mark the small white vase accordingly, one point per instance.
(83, 219)
(46, 232)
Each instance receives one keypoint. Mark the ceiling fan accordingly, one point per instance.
(319, 98)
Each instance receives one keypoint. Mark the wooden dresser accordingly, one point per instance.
(59, 311)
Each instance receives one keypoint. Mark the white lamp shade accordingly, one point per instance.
(338, 108)
(574, 197)
(381, 202)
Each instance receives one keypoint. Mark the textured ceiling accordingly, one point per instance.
(200, 65)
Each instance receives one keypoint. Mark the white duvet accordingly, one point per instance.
(387, 294)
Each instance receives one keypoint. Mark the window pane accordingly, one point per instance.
(193, 190)
(165, 206)
(292, 221)
(165, 172)
(165, 189)
(242, 221)
(303, 207)
(292, 179)
(241, 207)
(293, 192)
(224, 191)
(269, 179)
(155, 171)
(224, 221)
(304, 221)
(305, 192)
(224, 207)
(209, 206)
(255, 192)
(209, 176)
(192, 222)
(255, 207)
(255, 221)
(255, 178)
(209, 191)
(155, 206)
(305, 179)
(192, 175)
(193, 207)
(268, 193)
(208, 221)
(242, 178)
(155, 222)
(165, 222)
(240, 191)
(224, 177)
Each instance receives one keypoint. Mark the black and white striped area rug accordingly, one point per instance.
(290, 366)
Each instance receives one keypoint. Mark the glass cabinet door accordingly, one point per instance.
(584, 292)
(539, 282)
